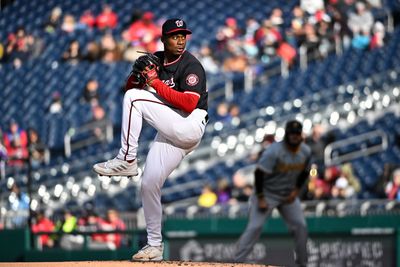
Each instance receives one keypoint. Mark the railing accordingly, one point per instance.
(90, 138)
(82, 239)
(311, 208)
(331, 159)
(13, 219)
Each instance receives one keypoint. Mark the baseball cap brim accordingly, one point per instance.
(186, 31)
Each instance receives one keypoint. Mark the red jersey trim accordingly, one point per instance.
(176, 60)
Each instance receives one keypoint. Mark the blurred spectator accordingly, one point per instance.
(362, 20)
(88, 20)
(228, 32)
(331, 174)
(341, 189)
(361, 40)
(93, 52)
(98, 120)
(3, 157)
(18, 201)
(276, 18)
(234, 111)
(91, 92)
(68, 25)
(109, 48)
(374, 3)
(235, 59)
(319, 192)
(91, 222)
(296, 31)
(311, 6)
(16, 47)
(16, 143)
(73, 54)
(268, 39)
(65, 227)
(223, 191)
(34, 46)
(384, 179)
(317, 144)
(249, 42)
(378, 36)
(223, 112)
(311, 41)
(287, 53)
(56, 105)
(392, 189)
(107, 19)
(54, 21)
(43, 224)
(17, 63)
(143, 34)
(207, 60)
(208, 198)
(135, 15)
(242, 194)
(317, 17)
(113, 223)
(228, 113)
(38, 149)
(326, 36)
(339, 11)
(2, 52)
(68, 223)
(354, 183)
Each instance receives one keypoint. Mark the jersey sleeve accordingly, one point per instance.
(192, 80)
(268, 159)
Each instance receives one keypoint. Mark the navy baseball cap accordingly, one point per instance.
(294, 127)
(174, 26)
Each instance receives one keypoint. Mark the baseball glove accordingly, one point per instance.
(140, 69)
(135, 80)
(147, 61)
(146, 68)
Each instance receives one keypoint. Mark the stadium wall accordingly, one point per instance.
(365, 240)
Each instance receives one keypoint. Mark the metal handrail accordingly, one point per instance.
(69, 146)
(329, 160)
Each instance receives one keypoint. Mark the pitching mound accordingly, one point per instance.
(124, 264)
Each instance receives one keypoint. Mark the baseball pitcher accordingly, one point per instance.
(178, 111)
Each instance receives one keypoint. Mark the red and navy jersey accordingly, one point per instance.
(186, 75)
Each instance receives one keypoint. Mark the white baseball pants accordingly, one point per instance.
(178, 134)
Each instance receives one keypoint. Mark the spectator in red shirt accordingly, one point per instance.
(393, 187)
(88, 19)
(43, 224)
(16, 143)
(107, 19)
(115, 223)
(143, 34)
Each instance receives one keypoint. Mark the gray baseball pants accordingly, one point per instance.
(293, 216)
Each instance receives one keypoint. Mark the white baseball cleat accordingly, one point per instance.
(149, 253)
(116, 167)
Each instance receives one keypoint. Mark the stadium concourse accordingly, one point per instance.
(127, 264)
